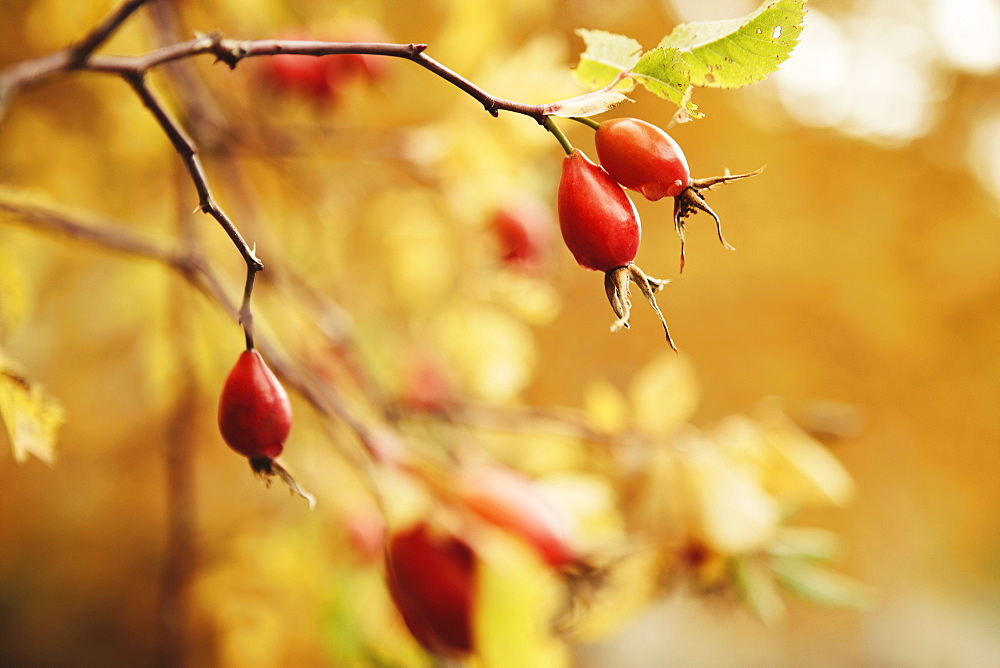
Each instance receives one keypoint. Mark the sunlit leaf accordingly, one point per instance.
(493, 352)
(737, 52)
(805, 543)
(820, 585)
(605, 57)
(588, 104)
(664, 72)
(626, 585)
(758, 588)
(734, 513)
(589, 504)
(30, 415)
(664, 393)
(516, 599)
(803, 471)
(605, 406)
(13, 297)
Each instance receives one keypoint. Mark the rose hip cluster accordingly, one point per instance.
(599, 222)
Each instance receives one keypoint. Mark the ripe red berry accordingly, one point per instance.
(432, 580)
(309, 76)
(254, 413)
(601, 228)
(599, 222)
(524, 229)
(512, 502)
(321, 78)
(642, 157)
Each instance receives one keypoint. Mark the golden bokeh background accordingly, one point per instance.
(866, 282)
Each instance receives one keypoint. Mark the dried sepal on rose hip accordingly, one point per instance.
(255, 417)
(643, 157)
(601, 227)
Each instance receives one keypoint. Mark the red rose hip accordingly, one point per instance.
(642, 157)
(255, 415)
(432, 581)
(601, 228)
(599, 223)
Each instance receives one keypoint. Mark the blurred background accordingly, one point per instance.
(865, 294)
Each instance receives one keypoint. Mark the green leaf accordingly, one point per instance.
(757, 587)
(665, 73)
(605, 57)
(737, 52)
(30, 415)
(805, 543)
(820, 585)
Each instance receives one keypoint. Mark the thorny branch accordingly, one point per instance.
(323, 397)
(133, 70)
(193, 267)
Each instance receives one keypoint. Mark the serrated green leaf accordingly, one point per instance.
(820, 585)
(665, 73)
(588, 104)
(738, 52)
(605, 57)
(30, 415)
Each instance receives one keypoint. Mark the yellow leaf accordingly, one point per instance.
(803, 471)
(625, 587)
(664, 393)
(516, 602)
(591, 503)
(30, 415)
(734, 512)
(606, 408)
(13, 297)
(494, 353)
(755, 582)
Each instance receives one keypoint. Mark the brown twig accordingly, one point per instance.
(102, 32)
(324, 398)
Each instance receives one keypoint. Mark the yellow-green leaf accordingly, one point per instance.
(605, 57)
(665, 73)
(588, 104)
(758, 588)
(737, 52)
(820, 585)
(516, 599)
(30, 415)
(664, 393)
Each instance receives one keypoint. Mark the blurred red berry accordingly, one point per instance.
(432, 581)
(524, 229)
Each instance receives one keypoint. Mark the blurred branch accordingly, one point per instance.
(133, 70)
(189, 262)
